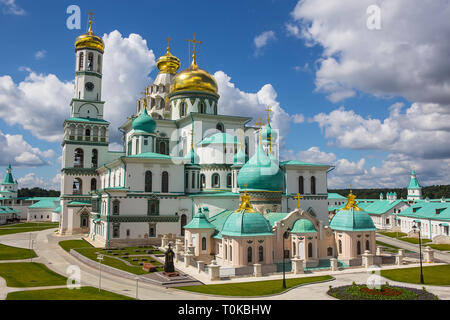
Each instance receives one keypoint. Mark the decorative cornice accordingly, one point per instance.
(80, 171)
(88, 73)
(150, 218)
(89, 143)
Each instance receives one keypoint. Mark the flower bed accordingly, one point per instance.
(386, 292)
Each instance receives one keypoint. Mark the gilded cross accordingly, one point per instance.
(194, 42)
(259, 123)
(168, 43)
(298, 197)
(268, 110)
(91, 16)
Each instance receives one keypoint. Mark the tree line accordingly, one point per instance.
(432, 192)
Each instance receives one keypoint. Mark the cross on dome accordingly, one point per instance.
(194, 52)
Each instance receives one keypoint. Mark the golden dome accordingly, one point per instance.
(89, 40)
(168, 63)
(194, 79)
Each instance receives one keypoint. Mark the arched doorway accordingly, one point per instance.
(183, 221)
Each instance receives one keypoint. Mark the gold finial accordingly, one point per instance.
(245, 202)
(194, 52)
(91, 17)
(144, 93)
(268, 110)
(351, 202)
(259, 123)
(298, 197)
(192, 138)
(168, 44)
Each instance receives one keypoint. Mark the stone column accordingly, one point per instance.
(399, 257)
(214, 271)
(164, 241)
(334, 264)
(379, 251)
(191, 250)
(297, 265)
(200, 266)
(187, 259)
(257, 270)
(367, 259)
(178, 246)
(428, 255)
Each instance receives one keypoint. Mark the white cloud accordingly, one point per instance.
(293, 30)
(407, 57)
(40, 103)
(10, 7)
(15, 150)
(40, 54)
(298, 118)
(30, 180)
(262, 40)
(234, 101)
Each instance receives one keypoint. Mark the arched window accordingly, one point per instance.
(301, 188)
(186, 180)
(78, 158)
(202, 108)
(340, 246)
(182, 109)
(202, 181)
(313, 185)
(93, 184)
(203, 243)
(249, 254)
(90, 63)
(229, 180)
(358, 247)
(88, 132)
(260, 254)
(116, 207)
(225, 252)
(162, 147)
(367, 245)
(231, 252)
(77, 187)
(220, 127)
(165, 182)
(148, 181)
(183, 221)
(94, 159)
(310, 250)
(81, 61)
(293, 249)
(215, 180)
(99, 63)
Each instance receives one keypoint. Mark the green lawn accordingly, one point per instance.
(27, 227)
(388, 247)
(85, 293)
(432, 275)
(14, 253)
(393, 234)
(252, 289)
(29, 274)
(414, 240)
(84, 248)
(442, 247)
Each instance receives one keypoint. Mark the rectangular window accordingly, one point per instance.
(129, 148)
(116, 231)
(145, 142)
(152, 231)
(153, 207)
(128, 232)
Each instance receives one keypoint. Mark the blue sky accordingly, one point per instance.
(315, 60)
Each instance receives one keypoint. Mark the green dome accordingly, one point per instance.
(192, 157)
(352, 220)
(303, 226)
(267, 133)
(199, 221)
(260, 173)
(144, 123)
(240, 157)
(242, 224)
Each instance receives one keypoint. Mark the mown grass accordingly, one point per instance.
(254, 288)
(393, 234)
(414, 240)
(14, 253)
(29, 274)
(84, 293)
(441, 247)
(432, 275)
(27, 227)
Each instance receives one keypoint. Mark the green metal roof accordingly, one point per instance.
(260, 173)
(192, 156)
(199, 221)
(150, 155)
(91, 120)
(414, 183)
(301, 163)
(218, 221)
(8, 177)
(428, 210)
(335, 196)
(303, 226)
(144, 123)
(352, 220)
(214, 193)
(5, 210)
(219, 138)
(378, 206)
(243, 224)
(80, 203)
(45, 203)
(57, 209)
(273, 217)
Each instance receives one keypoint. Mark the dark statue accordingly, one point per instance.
(168, 264)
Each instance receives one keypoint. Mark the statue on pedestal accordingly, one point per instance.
(168, 264)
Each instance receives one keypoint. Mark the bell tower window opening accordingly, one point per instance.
(202, 108)
(79, 158)
(99, 64)
(220, 127)
(81, 61)
(93, 184)
(182, 109)
(77, 187)
(90, 63)
(301, 188)
(313, 185)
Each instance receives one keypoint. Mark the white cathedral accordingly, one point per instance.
(180, 156)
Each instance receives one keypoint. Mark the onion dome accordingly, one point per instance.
(303, 226)
(240, 158)
(89, 40)
(192, 157)
(199, 221)
(260, 173)
(268, 134)
(352, 218)
(168, 63)
(144, 123)
(194, 79)
(246, 222)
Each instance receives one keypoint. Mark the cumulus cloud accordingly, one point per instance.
(16, 151)
(40, 103)
(11, 7)
(262, 40)
(298, 118)
(407, 57)
(30, 180)
(235, 101)
(40, 54)
(292, 30)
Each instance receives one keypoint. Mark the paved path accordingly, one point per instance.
(413, 247)
(52, 255)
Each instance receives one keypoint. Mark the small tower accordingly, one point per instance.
(9, 186)
(381, 195)
(239, 159)
(269, 138)
(414, 188)
(192, 169)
